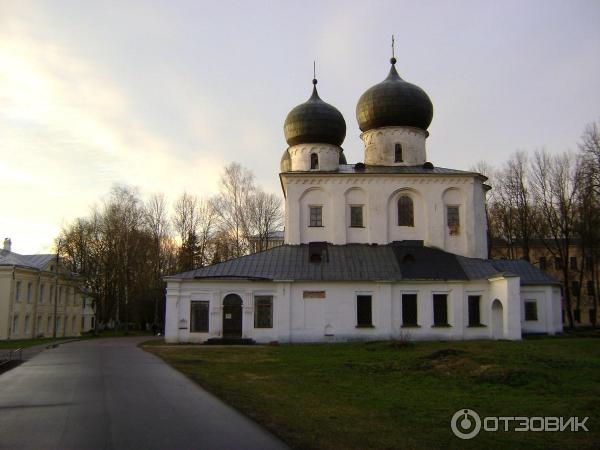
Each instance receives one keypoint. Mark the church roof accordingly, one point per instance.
(398, 261)
(394, 170)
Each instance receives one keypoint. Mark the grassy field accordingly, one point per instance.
(393, 395)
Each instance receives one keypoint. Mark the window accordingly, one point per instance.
(398, 153)
(364, 313)
(18, 292)
(51, 299)
(405, 212)
(73, 322)
(28, 293)
(592, 314)
(263, 311)
(199, 315)
(577, 315)
(590, 287)
(314, 161)
(409, 309)
(316, 216)
(15, 324)
(589, 262)
(558, 263)
(542, 262)
(440, 310)
(356, 216)
(573, 262)
(42, 289)
(531, 310)
(40, 325)
(576, 288)
(49, 325)
(60, 296)
(453, 220)
(474, 310)
(27, 324)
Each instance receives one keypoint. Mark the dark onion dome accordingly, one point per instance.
(394, 103)
(314, 122)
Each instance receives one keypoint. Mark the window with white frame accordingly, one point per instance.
(263, 311)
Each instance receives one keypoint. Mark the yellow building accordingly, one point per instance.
(29, 287)
(583, 279)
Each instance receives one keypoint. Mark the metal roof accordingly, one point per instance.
(37, 262)
(398, 261)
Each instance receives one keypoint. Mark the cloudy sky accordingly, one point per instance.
(162, 94)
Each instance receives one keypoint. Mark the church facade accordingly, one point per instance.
(392, 248)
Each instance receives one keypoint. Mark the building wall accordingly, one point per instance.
(332, 316)
(27, 317)
(379, 196)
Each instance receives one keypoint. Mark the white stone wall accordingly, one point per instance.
(379, 194)
(549, 313)
(333, 318)
(329, 156)
(380, 145)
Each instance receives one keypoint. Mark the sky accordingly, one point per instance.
(161, 95)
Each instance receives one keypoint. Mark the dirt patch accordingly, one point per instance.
(445, 353)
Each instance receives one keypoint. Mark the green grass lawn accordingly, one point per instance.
(381, 395)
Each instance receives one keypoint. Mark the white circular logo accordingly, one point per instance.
(465, 424)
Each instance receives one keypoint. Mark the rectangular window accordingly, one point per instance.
(589, 263)
(577, 315)
(409, 309)
(40, 325)
(440, 310)
(558, 263)
(576, 288)
(592, 313)
(316, 216)
(27, 324)
(356, 216)
(15, 325)
(29, 286)
(49, 325)
(573, 262)
(51, 299)
(590, 287)
(199, 317)
(474, 310)
(58, 325)
(18, 292)
(263, 311)
(364, 312)
(542, 262)
(531, 310)
(453, 220)
(60, 296)
(42, 289)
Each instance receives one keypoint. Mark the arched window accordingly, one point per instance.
(314, 161)
(405, 212)
(398, 153)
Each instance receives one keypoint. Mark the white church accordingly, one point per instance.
(394, 247)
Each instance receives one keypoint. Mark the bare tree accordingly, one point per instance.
(264, 216)
(556, 185)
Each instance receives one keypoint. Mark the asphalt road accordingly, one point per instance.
(109, 394)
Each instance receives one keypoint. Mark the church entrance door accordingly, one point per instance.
(232, 316)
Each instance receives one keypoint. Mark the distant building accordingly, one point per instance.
(584, 272)
(28, 290)
(274, 239)
(382, 249)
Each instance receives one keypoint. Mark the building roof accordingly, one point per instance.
(392, 170)
(37, 262)
(399, 261)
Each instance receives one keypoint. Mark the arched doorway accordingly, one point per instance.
(497, 320)
(232, 316)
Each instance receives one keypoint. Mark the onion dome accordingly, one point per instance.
(314, 122)
(394, 103)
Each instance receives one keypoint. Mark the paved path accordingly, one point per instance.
(109, 394)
